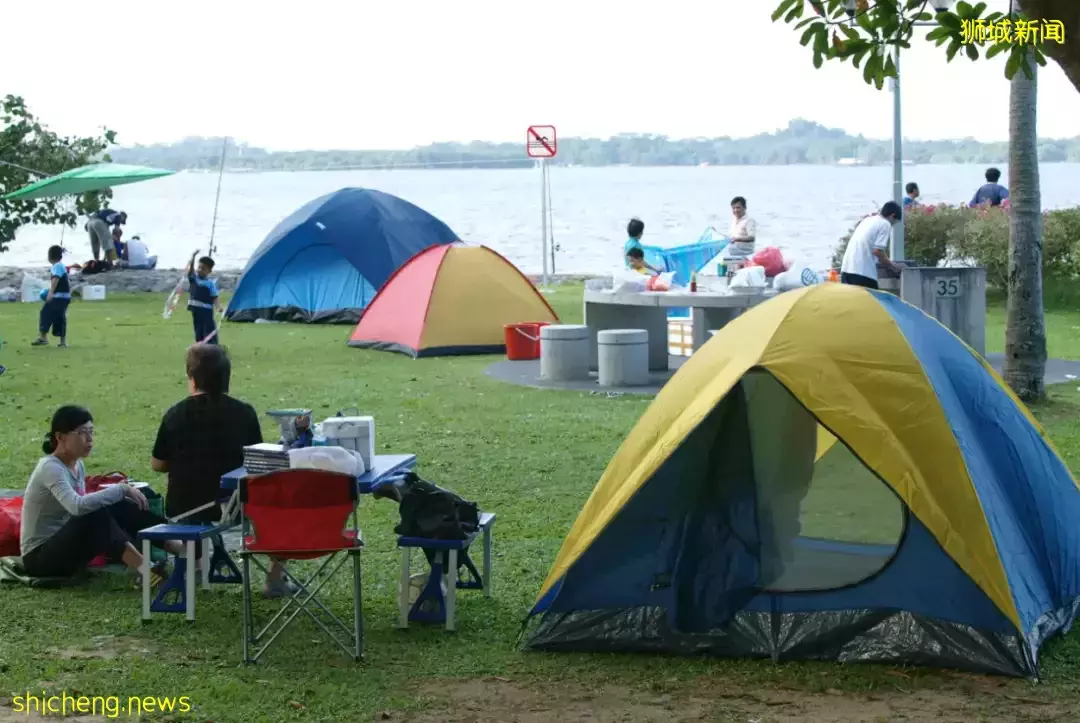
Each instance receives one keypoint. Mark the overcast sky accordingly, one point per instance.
(374, 74)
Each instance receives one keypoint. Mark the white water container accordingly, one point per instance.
(355, 433)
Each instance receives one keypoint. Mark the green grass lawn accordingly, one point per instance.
(532, 456)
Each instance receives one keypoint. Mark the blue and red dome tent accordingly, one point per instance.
(326, 261)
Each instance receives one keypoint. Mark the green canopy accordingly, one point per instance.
(95, 177)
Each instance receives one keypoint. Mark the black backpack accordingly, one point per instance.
(429, 511)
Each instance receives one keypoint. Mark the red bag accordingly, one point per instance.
(10, 526)
(95, 483)
(771, 258)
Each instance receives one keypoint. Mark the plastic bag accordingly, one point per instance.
(32, 287)
(628, 281)
(662, 282)
(771, 260)
(796, 278)
(331, 459)
(751, 277)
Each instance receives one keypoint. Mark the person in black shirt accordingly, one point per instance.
(202, 438)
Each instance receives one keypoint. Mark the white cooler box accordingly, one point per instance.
(93, 293)
(355, 433)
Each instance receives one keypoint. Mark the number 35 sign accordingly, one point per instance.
(947, 287)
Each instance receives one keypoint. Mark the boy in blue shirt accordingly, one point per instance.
(54, 312)
(634, 231)
(203, 299)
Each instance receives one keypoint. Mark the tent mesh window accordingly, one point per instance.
(825, 521)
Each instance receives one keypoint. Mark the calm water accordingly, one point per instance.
(801, 209)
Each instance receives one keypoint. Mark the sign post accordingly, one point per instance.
(541, 142)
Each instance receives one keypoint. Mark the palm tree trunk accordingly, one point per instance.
(1025, 330)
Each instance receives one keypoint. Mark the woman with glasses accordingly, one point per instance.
(63, 528)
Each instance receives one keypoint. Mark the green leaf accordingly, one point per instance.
(857, 58)
(782, 8)
(950, 21)
(806, 36)
(818, 60)
(964, 10)
(938, 32)
(978, 10)
(972, 51)
(821, 41)
(890, 67)
(995, 50)
(863, 19)
(850, 32)
(1012, 64)
(954, 48)
(873, 65)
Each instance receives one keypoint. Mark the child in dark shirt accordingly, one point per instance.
(54, 312)
(203, 299)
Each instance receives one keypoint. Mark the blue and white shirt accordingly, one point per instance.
(107, 215)
(201, 292)
(63, 286)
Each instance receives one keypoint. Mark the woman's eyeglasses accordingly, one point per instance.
(85, 433)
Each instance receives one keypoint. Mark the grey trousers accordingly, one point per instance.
(100, 236)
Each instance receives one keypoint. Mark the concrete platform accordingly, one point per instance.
(1058, 371)
(527, 374)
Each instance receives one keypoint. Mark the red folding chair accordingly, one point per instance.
(301, 514)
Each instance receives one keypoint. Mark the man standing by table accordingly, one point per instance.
(743, 232)
(202, 438)
(869, 246)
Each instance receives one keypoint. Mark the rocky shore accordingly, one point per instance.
(156, 281)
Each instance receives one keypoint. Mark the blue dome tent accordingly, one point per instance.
(326, 261)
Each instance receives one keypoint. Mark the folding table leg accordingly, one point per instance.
(403, 588)
(247, 608)
(145, 572)
(358, 610)
(204, 563)
(451, 588)
(487, 560)
(189, 581)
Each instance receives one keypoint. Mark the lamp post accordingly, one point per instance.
(897, 250)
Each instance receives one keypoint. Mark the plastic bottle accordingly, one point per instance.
(693, 282)
(834, 276)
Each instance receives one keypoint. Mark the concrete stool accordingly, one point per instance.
(564, 352)
(623, 357)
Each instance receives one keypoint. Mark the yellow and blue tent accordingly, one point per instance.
(833, 476)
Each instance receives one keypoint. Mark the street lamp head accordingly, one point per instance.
(849, 7)
(941, 5)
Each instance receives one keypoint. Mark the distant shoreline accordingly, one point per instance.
(801, 143)
(162, 281)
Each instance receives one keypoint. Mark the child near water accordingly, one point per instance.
(57, 297)
(203, 299)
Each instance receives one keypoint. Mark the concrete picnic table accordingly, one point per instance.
(710, 310)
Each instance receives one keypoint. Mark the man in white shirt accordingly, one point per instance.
(743, 231)
(868, 247)
(138, 254)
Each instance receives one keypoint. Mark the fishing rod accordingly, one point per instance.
(217, 196)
